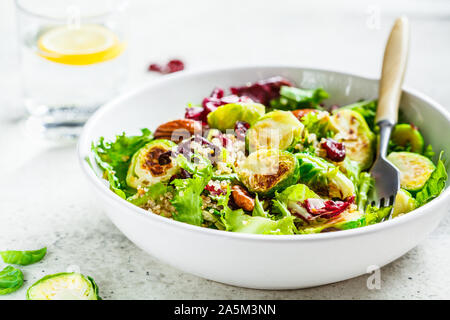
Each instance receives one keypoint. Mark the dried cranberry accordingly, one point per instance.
(172, 66)
(175, 65)
(335, 150)
(240, 128)
(262, 91)
(214, 191)
(155, 67)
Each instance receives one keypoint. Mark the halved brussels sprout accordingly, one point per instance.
(407, 135)
(268, 170)
(414, 169)
(148, 167)
(404, 203)
(64, 286)
(275, 130)
(323, 177)
(355, 134)
(346, 220)
(226, 116)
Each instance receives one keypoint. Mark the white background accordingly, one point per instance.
(44, 200)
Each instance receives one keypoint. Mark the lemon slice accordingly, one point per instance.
(86, 44)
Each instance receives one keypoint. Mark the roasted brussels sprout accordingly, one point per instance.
(151, 164)
(23, 258)
(11, 279)
(408, 136)
(268, 170)
(275, 130)
(355, 134)
(414, 169)
(226, 116)
(64, 286)
(323, 177)
(404, 203)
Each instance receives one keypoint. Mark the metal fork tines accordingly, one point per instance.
(386, 175)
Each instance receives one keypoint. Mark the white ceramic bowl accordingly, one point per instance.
(260, 261)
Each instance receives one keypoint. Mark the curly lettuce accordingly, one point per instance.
(187, 200)
(114, 159)
(260, 222)
(434, 185)
(319, 125)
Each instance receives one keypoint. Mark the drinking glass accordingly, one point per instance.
(73, 59)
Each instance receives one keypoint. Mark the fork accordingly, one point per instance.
(386, 175)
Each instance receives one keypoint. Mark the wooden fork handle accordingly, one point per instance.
(392, 74)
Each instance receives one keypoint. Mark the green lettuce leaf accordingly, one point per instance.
(114, 158)
(296, 193)
(238, 221)
(154, 192)
(258, 210)
(434, 185)
(321, 127)
(374, 215)
(363, 186)
(292, 98)
(187, 200)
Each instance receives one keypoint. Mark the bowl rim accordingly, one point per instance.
(85, 142)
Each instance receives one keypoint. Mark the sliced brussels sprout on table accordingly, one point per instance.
(151, 164)
(356, 135)
(414, 168)
(226, 116)
(64, 286)
(23, 258)
(276, 129)
(11, 279)
(268, 170)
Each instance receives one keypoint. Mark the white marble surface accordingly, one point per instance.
(45, 201)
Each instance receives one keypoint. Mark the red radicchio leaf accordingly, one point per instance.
(211, 103)
(327, 209)
(262, 91)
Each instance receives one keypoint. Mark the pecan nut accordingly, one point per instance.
(178, 130)
(242, 198)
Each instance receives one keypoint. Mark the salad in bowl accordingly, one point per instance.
(269, 158)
